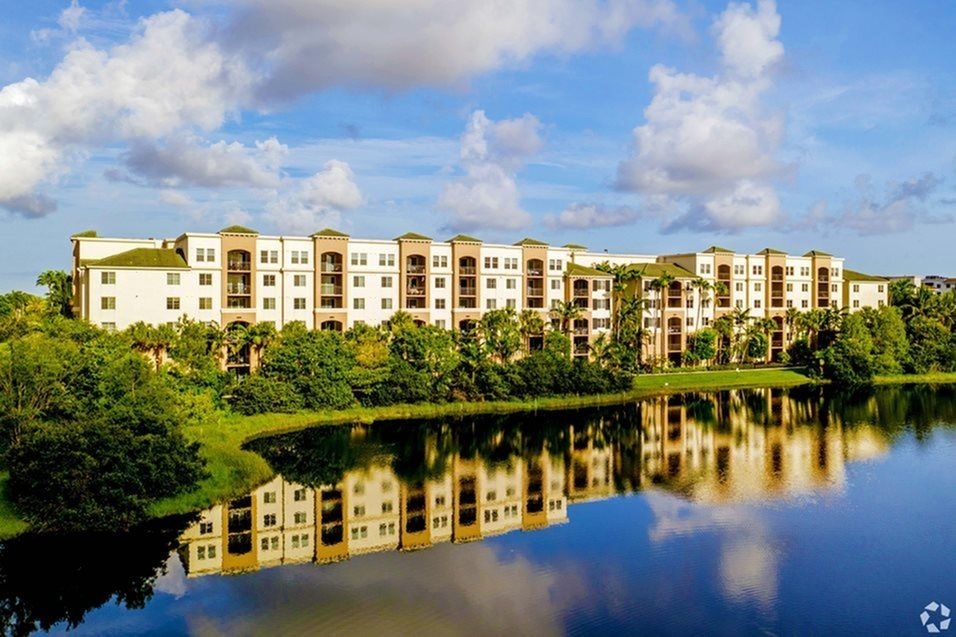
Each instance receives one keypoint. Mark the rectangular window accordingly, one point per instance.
(740, 303)
(386, 281)
(300, 517)
(269, 303)
(834, 288)
(738, 270)
(756, 287)
(172, 302)
(804, 287)
(108, 278)
(803, 303)
(856, 303)
(511, 284)
(689, 321)
(298, 303)
(205, 528)
(555, 284)
(511, 304)
(757, 303)
(491, 304)
(439, 304)
(386, 304)
(269, 497)
(554, 264)
(273, 256)
(298, 280)
(491, 284)
(269, 519)
(757, 270)
(789, 270)
(358, 281)
(856, 287)
(109, 326)
(358, 304)
(790, 287)
(439, 282)
(599, 323)
(601, 304)
(359, 258)
(836, 273)
(789, 302)
(172, 278)
(205, 279)
(263, 256)
(879, 289)
(200, 254)
(268, 280)
(739, 287)
(294, 257)
(205, 303)
(440, 323)
(210, 255)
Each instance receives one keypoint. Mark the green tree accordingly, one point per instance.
(501, 334)
(701, 346)
(530, 325)
(565, 312)
(888, 334)
(59, 296)
(849, 360)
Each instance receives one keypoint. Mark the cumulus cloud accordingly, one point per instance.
(185, 160)
(168, 77)
(400, 45)
(901, 206)
(319, 200)
(593, 215)
(491, 152)
(706, 143)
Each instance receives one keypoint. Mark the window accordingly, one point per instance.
(705, 268)
(172, 302)
(555, 284)
(172, 278)
(511, 263)
(804, 287)
(757, 270)
(756, 303)
(386, 486)
(834, 288)
(789, 270)
(200, 254)
(790, 287)
(304, 257)
(439, 282)
(358, 281)
(109, 326)
(554, 264)
(269, 519)
(268, 256)
(491, 304)
(298, 303)
(651, 322)
(358, 304)
(601, 286)
(108, 278)
(205, 528)
(205, 303)
(294, 257)
(205, 254)
(879, 289)
(263, 256)
(440, 323)
(599, 323)
(601, 304)
(740, 303)
(300, 517)
(298, 280)
(511, 284)
(387, 507)
(200, 552)
(757, 287)
(439, 501)
(358, 510)
(440, 262)
(738, 270)
(856, 287)
(856, 303)
(269, 303)
(269, 497)
(789, 302)
(439, 304)
(491, 284)
(359, 258)
(511, 304)
(108, 303)
(210, 255)
(386, 281)
(803, 303)
(491, 263)
(299, 495)
(739, 287)
(386, 304)
(805, 271)
(836, 273)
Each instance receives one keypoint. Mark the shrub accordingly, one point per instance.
(259, 394)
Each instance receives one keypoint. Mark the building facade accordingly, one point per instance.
(333, 281)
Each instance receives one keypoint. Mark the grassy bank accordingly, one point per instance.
(234, 471)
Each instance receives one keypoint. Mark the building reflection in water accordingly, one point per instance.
(475, 479)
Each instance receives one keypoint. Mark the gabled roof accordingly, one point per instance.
(574, 246)
(84, 235)
(713, 249)
(143, 258)
(528, 241)
(817, 253)
(412, 236)
(579, 270)
(237, 230)
(771, 251)
(463, 238)
(853, 275)
(329, 232)
(656, 270)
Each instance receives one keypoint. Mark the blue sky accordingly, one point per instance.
(629, 125)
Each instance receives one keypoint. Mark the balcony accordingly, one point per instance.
(415, 291)
(330, 289)
(467, 291)
(580, 331)
(535, 272)
(331, 267)
(467, 269)
(239, 289)
(674, 301)
(535, 291)
(536, 303)
(238, 302)
(239, 266)
(584, 304)
(415, 269)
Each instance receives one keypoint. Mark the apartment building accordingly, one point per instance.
(333, 281)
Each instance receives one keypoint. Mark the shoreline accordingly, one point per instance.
(235, 471)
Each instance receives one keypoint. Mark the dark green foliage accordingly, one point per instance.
(260, 394)
(701, 346)
(317, 364)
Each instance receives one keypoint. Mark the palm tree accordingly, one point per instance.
(565, 312)
(631, 334)
(623, 274)
(791, 319)
(739, 318)
(530, 324)
(660, 284)
(59, 291)
(261, 336)
(703, 288)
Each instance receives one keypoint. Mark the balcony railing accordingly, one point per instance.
(581, 331)
(415, 291)
(582, 303)
(235, 288)
(239, 266)
(535, 272)
(536, 303)
(535, 291)
(467, 269)
(581, 349)
(330, 289)
(238, 302)
(331, 267)
(674, 301)
(416, 269)
(467, 291)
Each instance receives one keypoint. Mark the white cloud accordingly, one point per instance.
(319, 201)
(176, 198)
(187, 161)
(70, 17)
(706, 142)
(487, 195)
(593, 215)
(168, 77)
(401, 45)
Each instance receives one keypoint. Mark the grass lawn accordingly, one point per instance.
(234, 472)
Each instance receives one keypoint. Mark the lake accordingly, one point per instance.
(746, 512)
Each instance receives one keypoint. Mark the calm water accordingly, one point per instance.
(764, 512)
